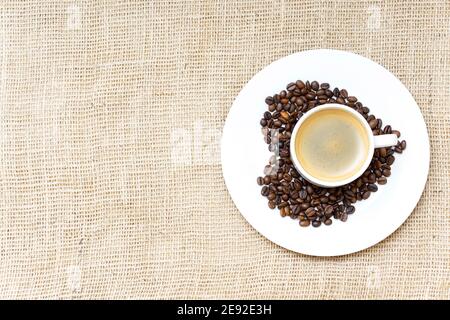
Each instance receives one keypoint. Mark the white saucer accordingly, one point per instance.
(244, 153)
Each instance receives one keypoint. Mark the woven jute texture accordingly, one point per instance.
(110, 179)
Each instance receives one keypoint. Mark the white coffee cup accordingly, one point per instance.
(385, 140)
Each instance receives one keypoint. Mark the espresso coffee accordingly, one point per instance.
(332, 145)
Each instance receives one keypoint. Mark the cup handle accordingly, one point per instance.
(385, 140)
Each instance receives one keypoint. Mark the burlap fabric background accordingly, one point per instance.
(106, 190)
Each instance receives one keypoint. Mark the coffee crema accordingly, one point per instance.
(332, 145)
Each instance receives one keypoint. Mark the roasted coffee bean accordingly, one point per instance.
(372, 187)
(309, 189)
(305, 223)
(316, 223)
(272, 204)
(366, 195)
(325, 86)
(269, 100)
(336, 92)
(310, 212)
(297, 185)
(265, 191)
(291, 86)
(328, 222)
(329, 209)
(382, 152)
(324, 199)
(398, 149)
(315, 85)
(344, 217)
(300, 84)
(377, 164)
(350, 210)
(260, 181)
(284, 115)
(373, 123)
(310, 96)
(293, 194)
(303, 194)
(382, 180)
(352, 99)
(403, 145)
(390, 160)
(287, 210)
(386, 172)
(379, 124)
